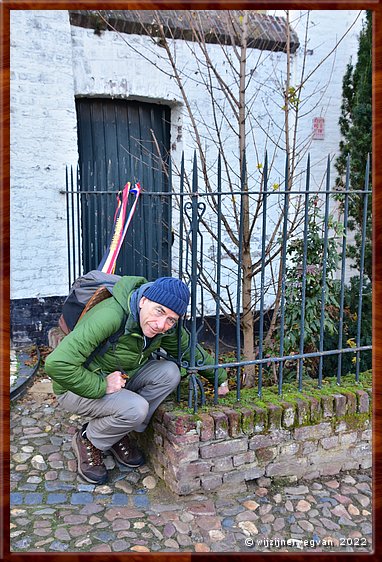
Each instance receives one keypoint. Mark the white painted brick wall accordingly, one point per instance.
(51, 63)
(43, 141)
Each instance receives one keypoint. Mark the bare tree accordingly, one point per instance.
(231, 95)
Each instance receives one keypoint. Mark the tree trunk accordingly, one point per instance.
(248, 378)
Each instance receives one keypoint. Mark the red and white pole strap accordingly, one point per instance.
(121, 224)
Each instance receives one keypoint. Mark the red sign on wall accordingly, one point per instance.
(318, 128)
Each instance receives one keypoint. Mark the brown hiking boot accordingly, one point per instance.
(127, 453)
(89, 460)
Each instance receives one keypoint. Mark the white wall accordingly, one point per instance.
(52, 62)
(43, 141)
(326, 65)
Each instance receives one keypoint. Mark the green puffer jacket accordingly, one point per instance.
(65, 365)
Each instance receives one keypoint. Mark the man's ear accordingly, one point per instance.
(142, 301)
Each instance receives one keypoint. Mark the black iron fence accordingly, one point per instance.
(272, 262)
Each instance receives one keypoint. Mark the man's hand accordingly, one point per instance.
(114, 382)
(223, 389)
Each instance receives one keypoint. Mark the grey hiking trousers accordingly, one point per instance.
(129, 409)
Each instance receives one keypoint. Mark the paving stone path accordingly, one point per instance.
(54, 510)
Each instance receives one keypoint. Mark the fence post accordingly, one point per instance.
(197, 210)
(283, 273)
(343, 265)
(362, 260)
(303, 275)
(323, 280)
(262, 281)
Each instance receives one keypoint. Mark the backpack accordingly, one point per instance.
(87, 291)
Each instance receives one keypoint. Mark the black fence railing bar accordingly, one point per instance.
(194, 210)
(323, 279)
(362, 265)
(343, 266)
(283, 275)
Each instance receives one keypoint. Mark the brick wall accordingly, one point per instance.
(31, 319)
(230, 446)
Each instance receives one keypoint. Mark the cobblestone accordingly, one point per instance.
(135, 512)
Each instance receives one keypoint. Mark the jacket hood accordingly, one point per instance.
(124, 288)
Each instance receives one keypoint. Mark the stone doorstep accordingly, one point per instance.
(42, 387)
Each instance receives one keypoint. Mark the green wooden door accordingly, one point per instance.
(122, 141)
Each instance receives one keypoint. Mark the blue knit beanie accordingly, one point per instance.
(169, 292)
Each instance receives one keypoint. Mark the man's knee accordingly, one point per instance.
(172, 374)
(135, 410)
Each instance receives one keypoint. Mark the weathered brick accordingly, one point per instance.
(361, 450)
(327, 406)
(274, 438)
(340, 427)
(159, 469)
(211, 481)
(332, 468)
(182, 487)
(323, 458)
(303, 411)
(182, 439)
(367, 434)
(191, 470)
(356, 420)
(287, 468)
(288, 415)
(247, 417)
(351, 402)
(221, 425)
(339, 405)
(363, 402)
(315, 409)
(244, 474)
(351, 465)
(260, 419)
(181, 454)
(234, 426)
(309, 447)
(222, 464)
(329, 442)
(348, 438)
(207, 427)
(159, 428)
(243, 458)
(367, 463)
(159, 412)
(224, 448)
(159, 458)
(158, 440)
(313, 432)
(266, 455)
(179, 423)
(289, 450)
(274, 416)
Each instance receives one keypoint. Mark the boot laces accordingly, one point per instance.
(124, 443)
(94, 455)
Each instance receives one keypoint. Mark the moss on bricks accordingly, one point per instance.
(310, 406)
(274, 416)
(356, 421)
(260, 420)
(288, 415)
(247, 417)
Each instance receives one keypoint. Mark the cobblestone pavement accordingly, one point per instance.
(54, 510)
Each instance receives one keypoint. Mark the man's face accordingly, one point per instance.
(155, 318)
